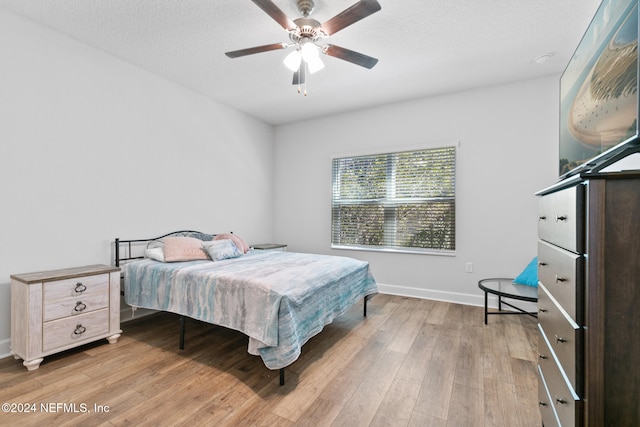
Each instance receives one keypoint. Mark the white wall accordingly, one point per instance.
(508, 151)
(92, 148)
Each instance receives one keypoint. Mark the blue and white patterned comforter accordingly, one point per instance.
(279, 299)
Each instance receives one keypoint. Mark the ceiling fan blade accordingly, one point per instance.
(298, 76)
(351, 15)
(257, 49)
(278, 15)
(350, 56)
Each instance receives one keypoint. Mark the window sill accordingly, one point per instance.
(395, 250)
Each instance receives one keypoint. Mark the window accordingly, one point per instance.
(396, 201)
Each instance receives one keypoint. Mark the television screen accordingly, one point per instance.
(599, 87)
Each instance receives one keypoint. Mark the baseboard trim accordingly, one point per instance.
(5, 348)
(453, 297)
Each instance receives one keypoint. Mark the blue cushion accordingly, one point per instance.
(221, 249)
(529, 276)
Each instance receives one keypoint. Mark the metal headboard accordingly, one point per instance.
(129, 245)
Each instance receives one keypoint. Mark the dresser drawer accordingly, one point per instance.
(72, 331)
(73, 288)
(547, 411)
(561, 218)
(562, 333)
(562, 273)
(565, 401)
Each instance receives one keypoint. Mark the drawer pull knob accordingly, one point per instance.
(80, 306)
(560, 218)
(542, 310)
(560, 339)
(79, 329)
(542, 264)
(542, 356)
(80, 288)
(542, 218)
(560, 279)
(542, 403)
(561, 401)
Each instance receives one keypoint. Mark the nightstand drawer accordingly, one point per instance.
(560, 271)
(72, 331)
(75, 287)
(562, 334)
(561, 218)
(74, 306)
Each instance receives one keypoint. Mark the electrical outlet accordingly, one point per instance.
(468, 267)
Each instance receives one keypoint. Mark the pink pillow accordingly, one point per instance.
(183, 249)
(238, 241)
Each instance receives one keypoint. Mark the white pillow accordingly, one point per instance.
(155, 253)
(221, 249)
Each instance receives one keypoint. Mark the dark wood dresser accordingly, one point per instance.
(589, 301)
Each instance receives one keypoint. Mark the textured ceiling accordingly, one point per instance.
(425, 47)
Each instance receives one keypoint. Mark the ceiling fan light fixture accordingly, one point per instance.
(309, 51)
(315, 64)
(292, 60)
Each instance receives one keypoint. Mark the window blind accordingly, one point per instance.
(399, 201)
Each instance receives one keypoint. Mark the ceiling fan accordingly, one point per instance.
(305, 33)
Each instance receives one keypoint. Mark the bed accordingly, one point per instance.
(278, 299)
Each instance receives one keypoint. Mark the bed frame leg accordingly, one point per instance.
(366, 297)
(182, 322)
(281, 376)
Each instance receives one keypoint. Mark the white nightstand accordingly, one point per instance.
(56, 310)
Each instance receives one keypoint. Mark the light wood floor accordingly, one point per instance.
(410, 362)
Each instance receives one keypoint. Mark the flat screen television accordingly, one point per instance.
(599, 90)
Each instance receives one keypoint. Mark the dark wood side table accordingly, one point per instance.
(505, 288)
